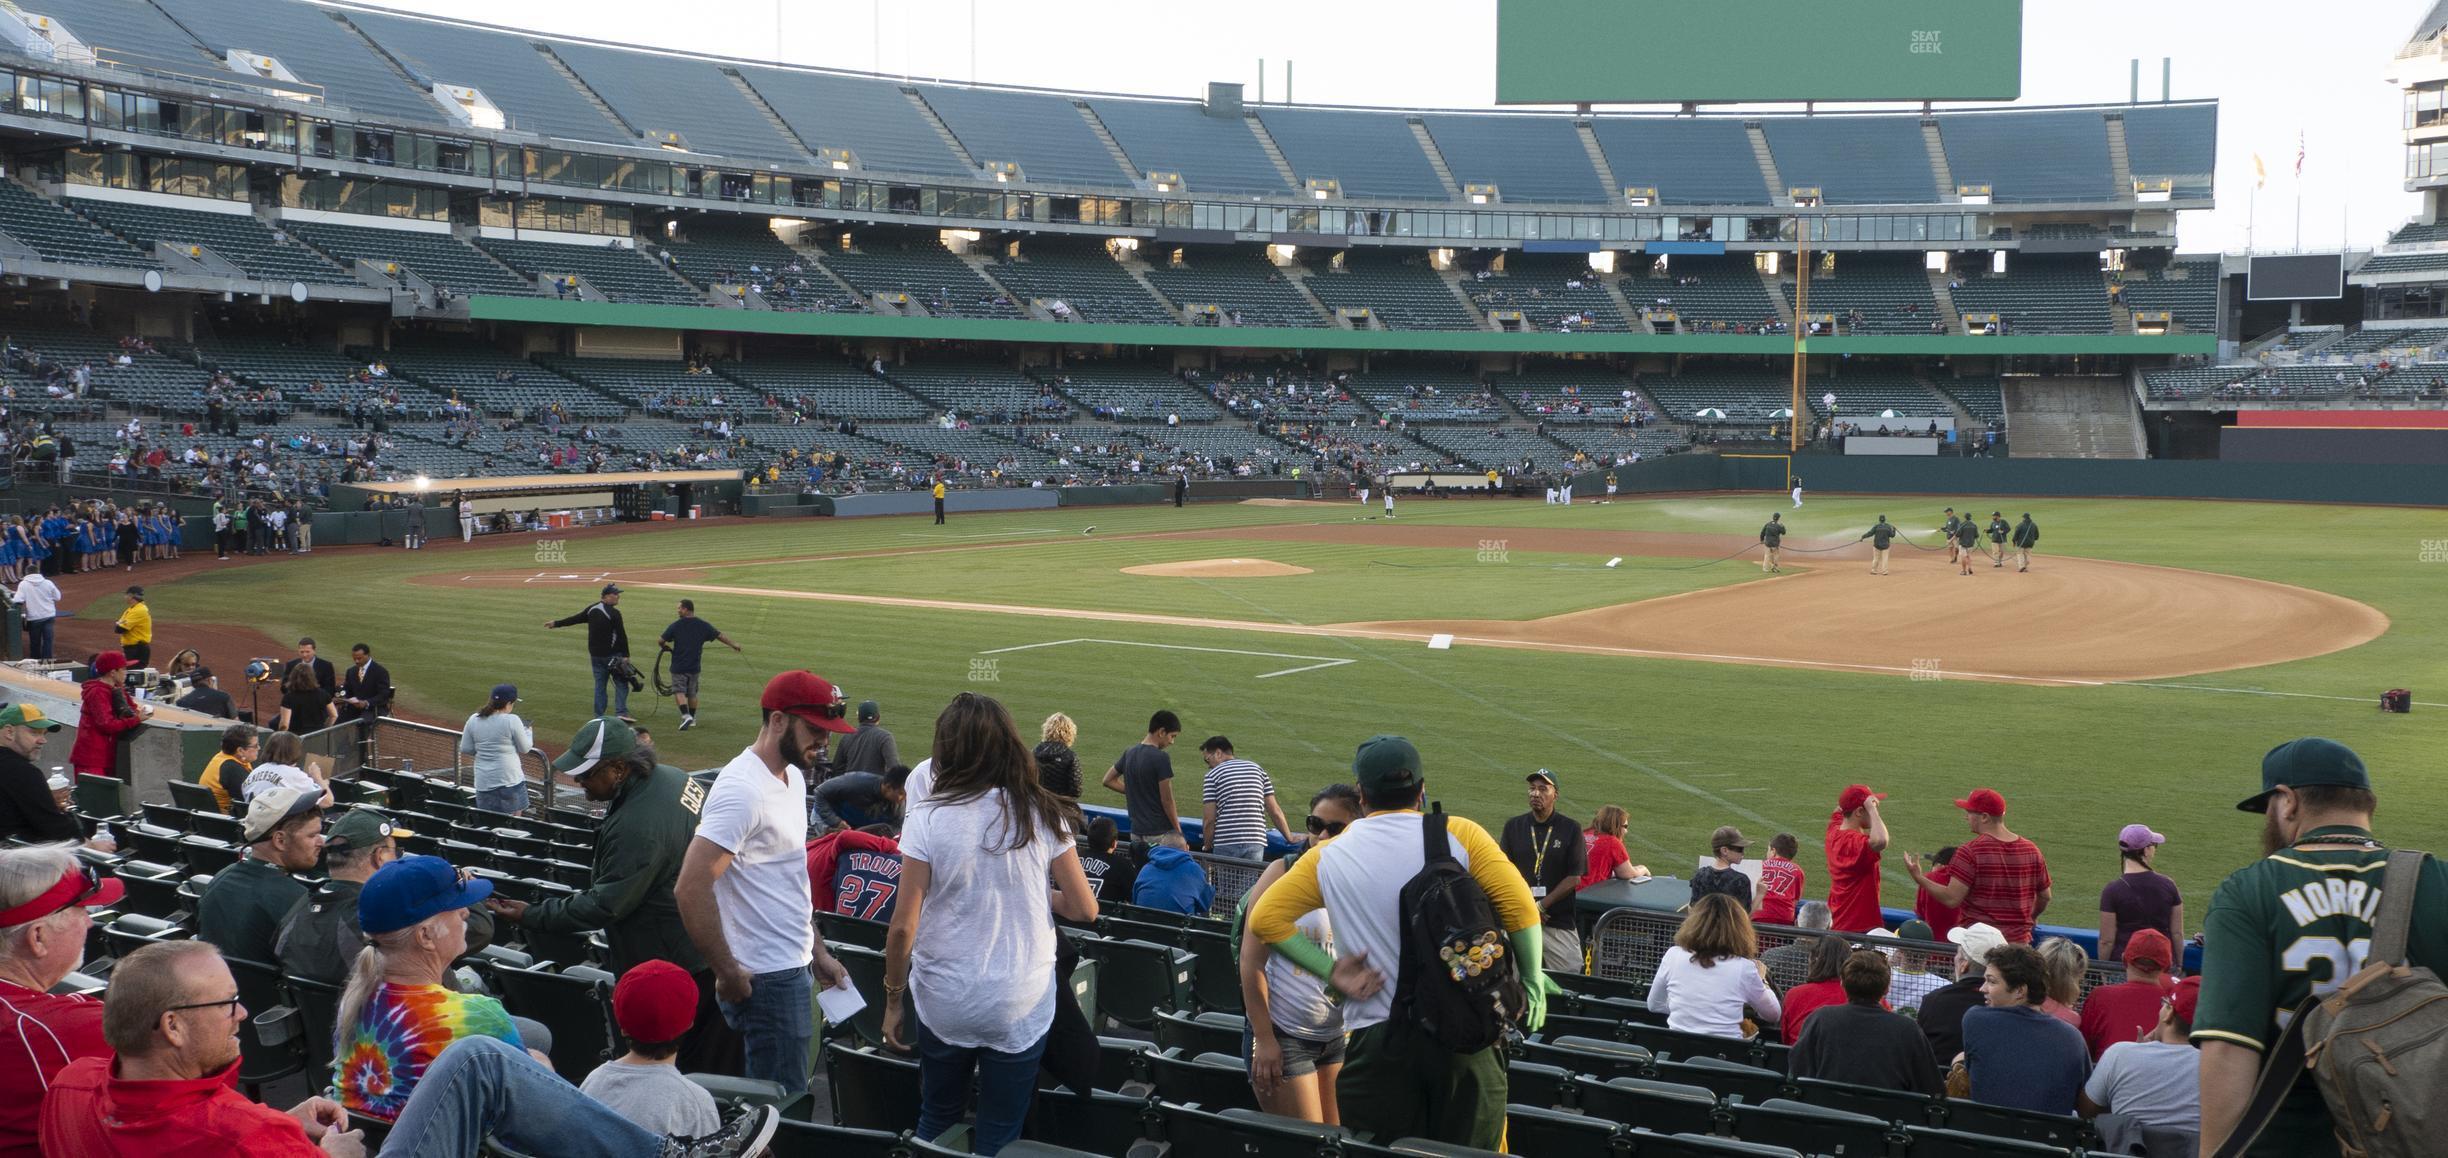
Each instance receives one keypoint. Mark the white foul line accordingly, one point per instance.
(1327, 662)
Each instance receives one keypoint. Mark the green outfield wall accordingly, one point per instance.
(2332, 482)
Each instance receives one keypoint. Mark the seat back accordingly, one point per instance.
(1198, 1132)
(1902, 1107)
(1648, 1144)
(203, 854)
(100, 797)
(577, 1007)
(1214, 1081)
(796, 1137)
(1533, 1084)
(1726, 1079)
(754, 1091)
(264, 1055)
(866, 969)
(871, 1090)
(152, 890)
(214, 825)
(1137, 978)
(1539, 1130)
(1101, 1123)
(1195, 1035)
(1812, 1129)
(1934, 1142)
(195, 797)
(2058, 1130)
(1661, 1106)
(852, 930)
(1681, 1046)
(318, 1006)
(1216, 981)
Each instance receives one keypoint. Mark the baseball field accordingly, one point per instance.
(2136, 673)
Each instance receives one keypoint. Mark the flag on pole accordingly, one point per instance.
(2260, 172)
(2299, 154)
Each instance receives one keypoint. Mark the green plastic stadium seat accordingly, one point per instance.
(1812, 1129)
(1539, 1130)
(796, 1137)
(852, 930)
(1102, 1123)
(1646, 1144)
(1138, 978)
(1661, 1106)
(1214, 1081)
(871, 1090)
(1727, 1079)
(1197, 1132)
(2004, 1122)
(1932, 1142)
(576, 1001)
(1533, 1084)
(1902, 1107)
(1205, 1033)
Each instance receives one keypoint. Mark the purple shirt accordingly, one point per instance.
(2141, 901)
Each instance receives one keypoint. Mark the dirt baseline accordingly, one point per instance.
(2068, 620)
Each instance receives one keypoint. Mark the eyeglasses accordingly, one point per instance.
(231, 1002)
(1320, 826)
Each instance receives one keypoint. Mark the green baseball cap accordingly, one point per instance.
(600, 739)
(1385, 762)
(360, 828)
(2305, 763)
(27, 716)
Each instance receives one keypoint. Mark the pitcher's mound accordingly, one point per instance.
(1218, 569)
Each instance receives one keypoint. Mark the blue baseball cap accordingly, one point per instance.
(413, 888)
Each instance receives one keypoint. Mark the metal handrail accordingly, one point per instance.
(428, 750)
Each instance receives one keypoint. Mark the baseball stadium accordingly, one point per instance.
(1626, 437)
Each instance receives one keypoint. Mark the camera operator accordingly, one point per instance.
(205, 695)
(607, 640)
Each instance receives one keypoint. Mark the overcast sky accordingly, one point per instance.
(2276, 70)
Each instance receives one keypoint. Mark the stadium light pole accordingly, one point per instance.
(1801, 330)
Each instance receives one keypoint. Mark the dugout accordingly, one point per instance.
(635, 496)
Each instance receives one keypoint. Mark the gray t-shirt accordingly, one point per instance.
(654, 1097)
(2154, 1081)
(1144, 767)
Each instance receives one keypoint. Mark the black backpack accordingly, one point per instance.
(1460, 984)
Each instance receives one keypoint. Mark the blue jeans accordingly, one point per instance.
(510, 798)
(774, 1025)
(1241, 851)
(1005, 1084)
(620, 691)
(467, 1095)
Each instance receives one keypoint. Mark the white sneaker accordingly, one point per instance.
(687, 722)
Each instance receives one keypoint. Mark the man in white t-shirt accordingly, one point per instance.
(41, 599)
(743, 887)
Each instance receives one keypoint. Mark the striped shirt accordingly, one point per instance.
(2006, 877)
(40, 1033)
(1239, 790)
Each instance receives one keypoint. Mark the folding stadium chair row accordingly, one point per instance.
(208, 822)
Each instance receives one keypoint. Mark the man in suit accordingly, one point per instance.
(365, 689)
(325, 677)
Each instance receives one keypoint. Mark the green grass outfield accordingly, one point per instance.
(1685, 746)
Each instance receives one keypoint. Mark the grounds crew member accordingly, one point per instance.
(135, 628)
(1967, 543)
(607, 637)
(685, 639)
(1772, 536)
(2293, 925)
(1397, 1083)
(939, 494)
(650, 815)
(1880, 534)
(2026, 536)
(1998, 531)
(1948, 529)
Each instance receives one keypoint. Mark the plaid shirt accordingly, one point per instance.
(2006, 878)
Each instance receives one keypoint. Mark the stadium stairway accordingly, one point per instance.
(1946, 303)
(2073, 418)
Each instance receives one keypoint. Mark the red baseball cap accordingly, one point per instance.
(810, 697)
(1856, 795)
(108, 662)
(655, 1002)
(2186, 997)
(1983, 800)
(2149, 945)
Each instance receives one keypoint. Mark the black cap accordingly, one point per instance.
(137, 592)
(2305, 763)
(611, 589)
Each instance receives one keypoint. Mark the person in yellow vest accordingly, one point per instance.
(1495, 482)
(939, 493)
(135, 628)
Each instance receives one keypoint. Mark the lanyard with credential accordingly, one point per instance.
(1538, 853)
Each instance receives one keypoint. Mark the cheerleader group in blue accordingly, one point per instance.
(87, 536)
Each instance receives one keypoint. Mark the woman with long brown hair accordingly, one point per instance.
(1712, 972)
(971, 934)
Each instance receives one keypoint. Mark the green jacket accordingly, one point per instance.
(637, 859)
(1951, 523)
(1997, 530)
(2027, 535)
(1772, 533)
(1967, 533)
(1881, 535)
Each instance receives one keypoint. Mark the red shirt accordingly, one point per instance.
(1939, 917)
(1606, 854)
(1853, 879)
(2006, 878)
(2121, 1012)
(1803, 1000)
(1780, 890)
(93, 1113)
(39, 1035)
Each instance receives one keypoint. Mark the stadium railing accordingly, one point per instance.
(425, 749)
(1627, 943)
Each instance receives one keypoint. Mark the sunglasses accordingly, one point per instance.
(1320, 826)
(93, 885)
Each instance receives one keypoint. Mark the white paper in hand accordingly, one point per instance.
(840, 1002)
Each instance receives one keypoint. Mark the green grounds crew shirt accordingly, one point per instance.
(242, 909)
(1997, 530)
(2292, 924)
(1772, 534)
(638, 847)
(2027, 535)
(1881, 535)
(1967, 533)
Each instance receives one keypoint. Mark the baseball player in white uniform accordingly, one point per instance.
(1389, 496)
(1797, 494)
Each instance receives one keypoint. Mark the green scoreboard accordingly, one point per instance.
(1674, 51)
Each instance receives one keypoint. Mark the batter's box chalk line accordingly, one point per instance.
(1318, 662)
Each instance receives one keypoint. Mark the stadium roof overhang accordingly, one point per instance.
(540, 485)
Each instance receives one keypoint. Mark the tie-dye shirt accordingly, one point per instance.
(403, 1029)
